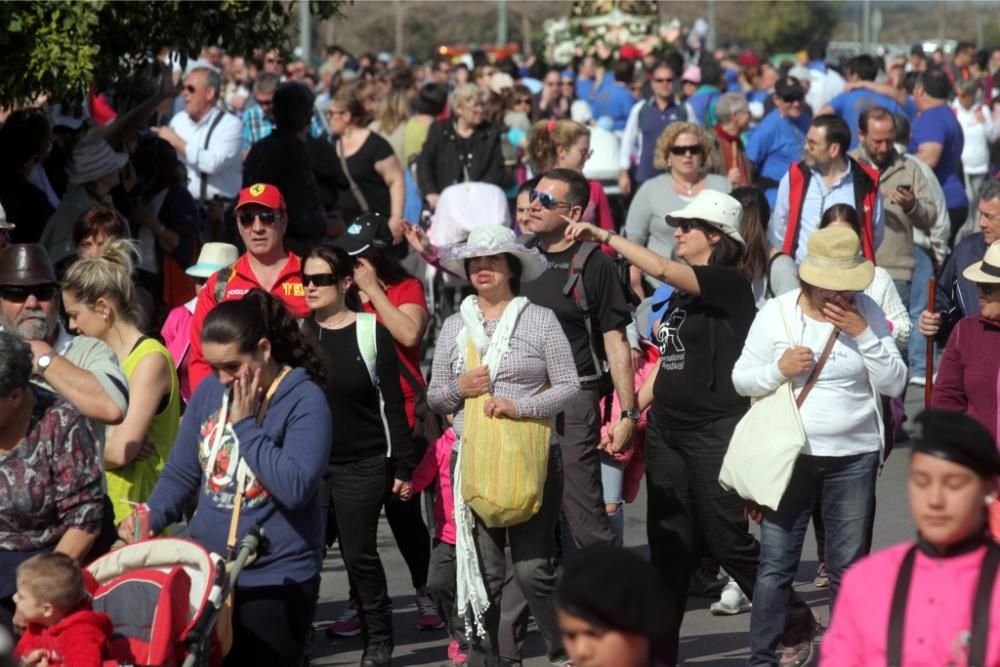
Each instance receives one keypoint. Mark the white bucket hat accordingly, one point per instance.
(717, 209)
(489, 240)
(213, 256)
(93, 158)
(988, 270)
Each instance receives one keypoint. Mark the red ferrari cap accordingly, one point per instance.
(264, 194)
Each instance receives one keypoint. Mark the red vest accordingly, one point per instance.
(865, 197)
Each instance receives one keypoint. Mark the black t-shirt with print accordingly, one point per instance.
(700, 338)
(604, 290)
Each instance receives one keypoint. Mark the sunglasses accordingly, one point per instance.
(191, 89)
(693, 149)
(526, 100)
(663, 80)
(687, 225)
(792, 99)
(275, 61)
(20, 293)
(319, 279)
(987, 288)
(547, 201)
(246, 219)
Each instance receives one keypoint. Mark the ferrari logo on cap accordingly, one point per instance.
(256, 189)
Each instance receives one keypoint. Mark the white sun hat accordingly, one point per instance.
(489, 240)
(717, 209)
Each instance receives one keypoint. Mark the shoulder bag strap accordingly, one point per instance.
(818, 368)
(418, 389)
(203, 193)
(362, 202)
(897, 614)
(981, 610)
(234, 519)
(769, 291)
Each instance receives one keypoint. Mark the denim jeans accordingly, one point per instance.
(923, 271)
(846, 485)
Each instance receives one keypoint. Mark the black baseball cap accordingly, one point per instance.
(789, 87)
(368, 230)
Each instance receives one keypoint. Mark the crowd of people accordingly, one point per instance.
(218, 302)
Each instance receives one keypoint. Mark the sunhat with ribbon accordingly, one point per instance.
(93, 158)
(489, 240)
(834, 262)
(988, 270)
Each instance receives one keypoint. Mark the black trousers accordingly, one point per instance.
(682, 483)
(271, 623)
(359, 490)
(412, 537)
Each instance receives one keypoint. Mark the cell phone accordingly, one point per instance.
(904, 188)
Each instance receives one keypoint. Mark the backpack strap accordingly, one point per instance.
(576, 289)
(981, 610)
(897, 615)
(769, 289)
(222, 278)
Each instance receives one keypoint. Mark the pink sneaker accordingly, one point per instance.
(455, 653)
(347, 624)
(427, 615)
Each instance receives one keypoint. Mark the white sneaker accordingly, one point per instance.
(732, 601)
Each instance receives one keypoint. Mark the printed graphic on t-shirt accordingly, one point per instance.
(220, 481)
(672, 350)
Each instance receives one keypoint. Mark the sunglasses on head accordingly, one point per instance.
(693, 149)
(246, 219)
(319, 279)
(547, 201)
(20, 293)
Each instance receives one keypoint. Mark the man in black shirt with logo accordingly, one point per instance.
(599, 348)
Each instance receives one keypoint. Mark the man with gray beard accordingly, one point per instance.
(82, 370)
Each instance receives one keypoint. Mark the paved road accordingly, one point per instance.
(705, 639)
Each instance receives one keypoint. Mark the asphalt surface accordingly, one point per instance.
(705, 639)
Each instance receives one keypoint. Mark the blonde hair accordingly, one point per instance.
(353, 96)
(547, 136)
(107, 275)
(393, 111)
(53, 578)
(669, 136)
(465, 94)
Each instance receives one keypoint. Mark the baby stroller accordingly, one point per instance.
(163, 596)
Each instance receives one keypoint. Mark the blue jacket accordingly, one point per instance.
(956, 295)
(773, 147)
(288, 454)
(609, 98)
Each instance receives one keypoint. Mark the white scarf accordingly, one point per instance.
(471, 595)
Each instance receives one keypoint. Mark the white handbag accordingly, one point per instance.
(761, 455)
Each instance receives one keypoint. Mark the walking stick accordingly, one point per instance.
(929, 377)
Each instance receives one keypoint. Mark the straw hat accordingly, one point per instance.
(489, 240)
(213, 256)
(988, 270)
(833, 262)
(93, 158)
(717, 209)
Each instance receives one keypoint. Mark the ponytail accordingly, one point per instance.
(259, 315)
(547, 135)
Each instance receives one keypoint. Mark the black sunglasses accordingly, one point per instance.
(547, 201)
(319, 279)
(663, 80)
(190, 89)
(693, 149)
(20, 293)
(687, 225)
(791, 99)
(246, 219)
(987, 288)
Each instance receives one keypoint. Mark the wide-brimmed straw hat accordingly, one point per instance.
(93, 158)
(489, 240)
(988, 270)
(834, 263)
(717, 209)
(213, 256)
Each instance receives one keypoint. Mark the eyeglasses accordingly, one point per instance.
(20, 293)
(265, 103)
(190, 89)
(663, 80)
(693, 149)
(525, 100)
(319, 279)
(547, 201)
(987, 288)
(246, 219)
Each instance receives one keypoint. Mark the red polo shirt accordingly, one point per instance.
(288, 288)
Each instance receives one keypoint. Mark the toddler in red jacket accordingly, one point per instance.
(62, 629)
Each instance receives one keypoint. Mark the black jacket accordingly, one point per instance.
(439, 164)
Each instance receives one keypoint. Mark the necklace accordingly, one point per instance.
(333, 325)
(682, 184)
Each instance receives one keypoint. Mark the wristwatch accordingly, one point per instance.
(632, 414)
(44, 362)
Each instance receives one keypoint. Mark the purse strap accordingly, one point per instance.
(818, 368)
(362, 202)
(234, 519)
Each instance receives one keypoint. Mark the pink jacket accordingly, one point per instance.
(938, 612)
(436, 464)
(176, 334)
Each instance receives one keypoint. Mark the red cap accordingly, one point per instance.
(748, 59)
(264, 194)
